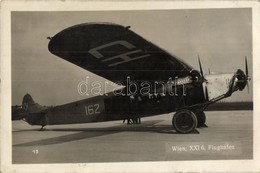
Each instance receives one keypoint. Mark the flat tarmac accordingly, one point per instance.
(229, 135)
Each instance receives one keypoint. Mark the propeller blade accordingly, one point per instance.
(201, 71)
(246, 67)
(206, 93)
(247, 75)
(247, 85)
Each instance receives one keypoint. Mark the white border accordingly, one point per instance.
(169, 166)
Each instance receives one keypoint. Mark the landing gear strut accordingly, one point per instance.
(42, 128)
(184, 121)
(201, 117)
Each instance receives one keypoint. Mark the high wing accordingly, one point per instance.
(115, 53)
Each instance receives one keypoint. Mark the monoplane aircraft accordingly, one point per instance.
(151, 80)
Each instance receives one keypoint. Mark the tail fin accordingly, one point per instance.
(34, 113)
(27, 102)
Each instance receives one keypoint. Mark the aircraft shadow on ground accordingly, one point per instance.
(85, 133)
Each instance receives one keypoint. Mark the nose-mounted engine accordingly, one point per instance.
(218, 86)
(215, 86)
(240, 79)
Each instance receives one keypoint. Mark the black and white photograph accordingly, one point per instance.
(131, 86)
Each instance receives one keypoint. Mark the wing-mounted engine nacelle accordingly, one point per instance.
(196, 76)
(194, 79)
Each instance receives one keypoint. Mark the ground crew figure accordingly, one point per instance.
(134, 105)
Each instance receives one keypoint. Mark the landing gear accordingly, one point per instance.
(42, 129)
(184, 121)
(201, 117)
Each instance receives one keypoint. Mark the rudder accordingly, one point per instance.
(27, 102)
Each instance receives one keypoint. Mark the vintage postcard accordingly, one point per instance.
(129, 86)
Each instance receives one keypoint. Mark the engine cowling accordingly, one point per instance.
(241, 79)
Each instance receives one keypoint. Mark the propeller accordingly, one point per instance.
(206, 93)
(198, 76)
(243, 77)
(201, 71)
(247, 75)
(246, 66)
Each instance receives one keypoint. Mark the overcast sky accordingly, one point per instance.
(221, 37)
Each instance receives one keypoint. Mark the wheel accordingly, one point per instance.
(201, 117)
(184, 121)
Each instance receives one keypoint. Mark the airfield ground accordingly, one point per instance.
(229, 136)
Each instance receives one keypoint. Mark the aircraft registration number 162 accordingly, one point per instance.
(92, 109)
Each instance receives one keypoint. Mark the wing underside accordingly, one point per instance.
(115, 53)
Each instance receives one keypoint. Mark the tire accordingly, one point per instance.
(201, 117)
(184, 121)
